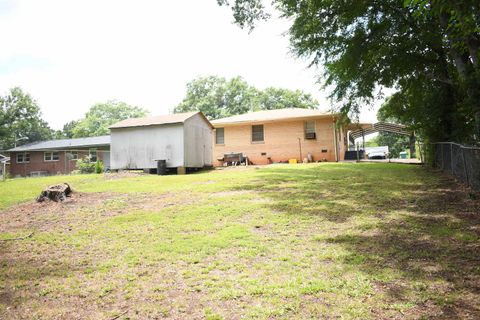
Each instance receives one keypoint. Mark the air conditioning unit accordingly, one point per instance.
(310, 135)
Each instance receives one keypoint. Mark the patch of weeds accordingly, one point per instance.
(356, 286)
(105, 291)
(402, 307)
(210, 315)
(114, 204)
(444, 299)
(44, 292)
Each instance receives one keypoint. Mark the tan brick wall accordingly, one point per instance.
(37, 163)
(280, 142)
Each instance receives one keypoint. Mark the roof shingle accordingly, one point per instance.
(64, 144)
(155, 120)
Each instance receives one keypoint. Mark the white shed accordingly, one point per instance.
(184, 140)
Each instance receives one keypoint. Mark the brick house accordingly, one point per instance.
(279, 135)
(57, 156)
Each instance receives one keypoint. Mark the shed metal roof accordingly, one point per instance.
(64, 144)
(271, 115)
(155, 120)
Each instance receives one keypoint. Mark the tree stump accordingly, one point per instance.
(56, 192)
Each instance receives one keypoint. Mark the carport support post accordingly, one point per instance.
(363, 140)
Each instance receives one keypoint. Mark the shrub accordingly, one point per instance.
(85, 166)
(98, 167)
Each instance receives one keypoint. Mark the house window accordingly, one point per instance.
(310, 130)
(51, 156)
(257, 133)
(93, 155)
(73, 155)
(220, 136)
(23, 157)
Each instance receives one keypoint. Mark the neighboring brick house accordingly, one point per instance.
(57, 156)
(279, 135)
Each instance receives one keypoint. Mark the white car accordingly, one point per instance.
(377, 152)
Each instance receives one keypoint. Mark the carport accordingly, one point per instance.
(360, 130)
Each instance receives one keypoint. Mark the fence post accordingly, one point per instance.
(441, 156)
(465, 166)
(451, 157)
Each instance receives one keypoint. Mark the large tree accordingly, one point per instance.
(426, 49)
(100, 117)
(279, 98)
(21, 120)
(67, 131)
(218, 97)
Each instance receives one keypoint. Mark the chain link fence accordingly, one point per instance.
(463, 162)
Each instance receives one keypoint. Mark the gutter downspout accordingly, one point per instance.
(300, 146)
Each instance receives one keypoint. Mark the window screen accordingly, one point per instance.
(257, 133)
(23, 157)
(51, 156)
(310, 130)
(220, 136)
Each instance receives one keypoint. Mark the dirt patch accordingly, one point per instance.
(42, 216)
(83, 208)
(28, 263)
(123, 174)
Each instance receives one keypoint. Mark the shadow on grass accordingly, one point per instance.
(28, 270)
(426, 229)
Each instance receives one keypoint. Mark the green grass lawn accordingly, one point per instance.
(349, 241)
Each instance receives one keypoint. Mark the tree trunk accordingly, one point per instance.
(460, 63)
(57, 192)
(413, 154)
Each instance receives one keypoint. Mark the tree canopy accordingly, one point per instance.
(100, 117)
(218, 97)
(67, 130)
(426, 49)
(21, 120)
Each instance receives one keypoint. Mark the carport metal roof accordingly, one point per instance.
(362, 129)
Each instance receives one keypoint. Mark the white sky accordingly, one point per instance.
(71, 54)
